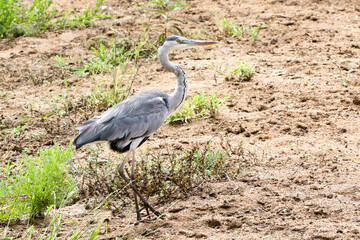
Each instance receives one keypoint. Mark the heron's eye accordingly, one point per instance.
(180, 41)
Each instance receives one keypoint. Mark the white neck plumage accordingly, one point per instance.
(178, 96)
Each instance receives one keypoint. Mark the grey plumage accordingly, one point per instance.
(136, 117)
(128, 124)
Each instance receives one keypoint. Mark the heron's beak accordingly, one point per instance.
(194, 43)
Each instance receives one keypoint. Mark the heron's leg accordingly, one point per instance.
(121, 172)
(132, 177)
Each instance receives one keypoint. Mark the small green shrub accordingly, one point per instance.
(254, 33)
(200, 106)
(139, 46)
(99, 178)
(107, 55)
(60, 61)
(17, 20)
(105, 60)
(103, 96)
(171, 175)
(35, 183)
(242, 72)
(9, 9)
(85, 19)
(230, 29)
(176, 175)
(165, 4)
(198, 34)
(55, 224)
(165, 8)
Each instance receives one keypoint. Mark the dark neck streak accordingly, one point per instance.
(181, 86)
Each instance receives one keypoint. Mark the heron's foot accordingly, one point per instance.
(140, 219)
(147, 220)
(147, 206)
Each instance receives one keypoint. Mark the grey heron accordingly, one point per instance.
(128, 124)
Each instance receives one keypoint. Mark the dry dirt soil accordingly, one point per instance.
(298, 117)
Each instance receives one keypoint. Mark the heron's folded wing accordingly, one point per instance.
(127, 120)
(81, 127)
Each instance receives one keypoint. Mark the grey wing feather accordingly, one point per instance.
(138, 116)
(87, 123)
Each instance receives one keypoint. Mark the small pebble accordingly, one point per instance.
(356, 100)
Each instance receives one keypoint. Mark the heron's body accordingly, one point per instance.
(137, 117)
(128, 124)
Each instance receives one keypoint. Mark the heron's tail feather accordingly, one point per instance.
(86, 124)
(87, 135)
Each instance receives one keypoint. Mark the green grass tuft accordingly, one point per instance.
(200, 106)
(230, 29)
(177, 174)
(103, 96)
(85, 19)
(33, 184)
(242, 72)
(165, 8)
(119, 54)
(169, 176)
(104, 60)
(17, 20)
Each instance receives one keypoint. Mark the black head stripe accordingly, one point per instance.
(171, 38)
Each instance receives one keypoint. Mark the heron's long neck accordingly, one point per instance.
(178, 96)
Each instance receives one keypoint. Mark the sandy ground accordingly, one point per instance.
(298, 117)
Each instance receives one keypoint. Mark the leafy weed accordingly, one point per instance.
(228, 28)
(242, 72)
(200, 106)
(33, 184)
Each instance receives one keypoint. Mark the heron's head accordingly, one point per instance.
(178, 42)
